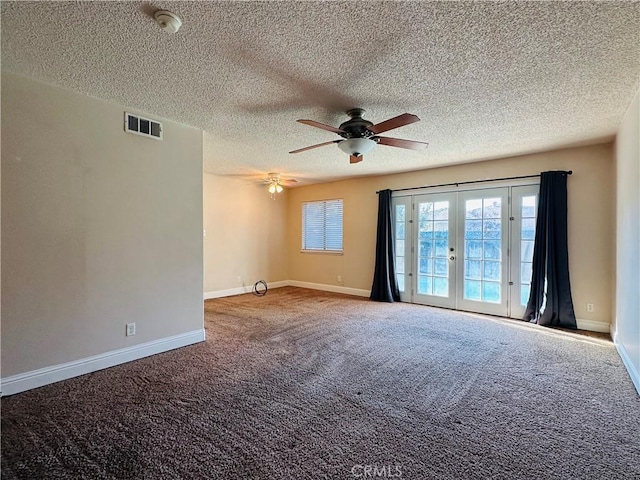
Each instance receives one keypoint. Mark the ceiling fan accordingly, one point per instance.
(276, 182)
(359, 136)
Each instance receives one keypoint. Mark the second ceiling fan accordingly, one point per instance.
(359, 136)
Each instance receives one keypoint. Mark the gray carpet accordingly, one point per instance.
(307, 385)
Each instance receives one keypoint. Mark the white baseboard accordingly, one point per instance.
(628, 363)
(583, 324)
(331, 288)
(242, 290)
(593, 325)
(44, 376)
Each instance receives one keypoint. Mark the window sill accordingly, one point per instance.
(323, 252)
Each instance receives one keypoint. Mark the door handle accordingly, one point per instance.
(452, 258)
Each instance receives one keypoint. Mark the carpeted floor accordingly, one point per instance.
(301, 384)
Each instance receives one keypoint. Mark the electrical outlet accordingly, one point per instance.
(131, 329)
(339, 278)
(590, 307)
(239, 279)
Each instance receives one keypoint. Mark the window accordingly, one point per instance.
(399, 231)
(322, 226)
(528, 210)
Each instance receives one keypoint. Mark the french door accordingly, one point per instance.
(469, 250)
(483, 220)
(523, 211)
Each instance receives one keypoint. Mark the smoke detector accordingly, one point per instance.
(168, 21)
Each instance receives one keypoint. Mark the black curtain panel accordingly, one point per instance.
(550, 300)
(385, 283)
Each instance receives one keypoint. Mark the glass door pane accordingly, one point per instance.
(401, 218)
(434, 260)
(524, 210)
(483, 225)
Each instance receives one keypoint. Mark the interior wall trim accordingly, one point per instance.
(44, 376)
(289, 283)
(593, 325)
(583, 324)
(241, 290)
(331, 288)
(626, 360)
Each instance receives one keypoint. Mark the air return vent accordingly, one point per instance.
(142, 126)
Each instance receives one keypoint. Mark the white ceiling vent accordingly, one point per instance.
(142, 126)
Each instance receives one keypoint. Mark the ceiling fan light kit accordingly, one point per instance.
(275, 185)
(275, 188)
(356, 146)
(360, 135)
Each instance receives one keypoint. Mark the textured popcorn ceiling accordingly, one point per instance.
(487, 79)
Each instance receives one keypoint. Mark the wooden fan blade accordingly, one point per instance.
(395, 122)
(313, 123)
(398, 142)
(355, 159)
(315, 146)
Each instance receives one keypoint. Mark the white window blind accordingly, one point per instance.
(322, 226)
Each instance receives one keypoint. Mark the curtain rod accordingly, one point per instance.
(568, 172)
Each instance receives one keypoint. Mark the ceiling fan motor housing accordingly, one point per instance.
(356, 127)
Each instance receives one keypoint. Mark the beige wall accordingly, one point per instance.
(245, 234)
(627, 313)
(99, 228)
(590, 220)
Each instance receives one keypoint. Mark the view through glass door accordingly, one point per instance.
(469, 250)
(524, 209)
(483, 269)
(403, 243)
(434, 250)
